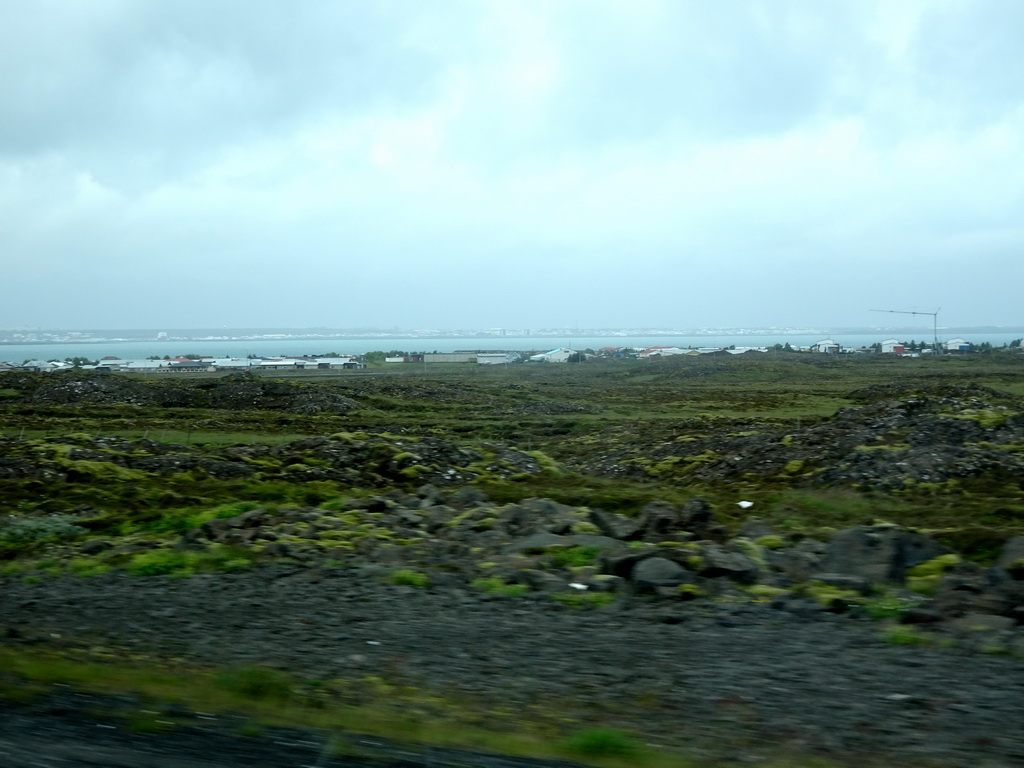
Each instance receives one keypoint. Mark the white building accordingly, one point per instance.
(560, 355)
(826, 345)
(957, 345)
(496, 358)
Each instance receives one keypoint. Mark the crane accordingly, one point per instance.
(935, 321)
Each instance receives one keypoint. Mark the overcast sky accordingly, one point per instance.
(515, 163)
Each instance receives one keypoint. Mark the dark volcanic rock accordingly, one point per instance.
(881, 554)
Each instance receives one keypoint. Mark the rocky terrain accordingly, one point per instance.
(892, 441)
(537, 608)
(419, 567)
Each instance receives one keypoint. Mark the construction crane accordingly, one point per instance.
(935, 321)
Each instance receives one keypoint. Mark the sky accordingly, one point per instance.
(510, 163)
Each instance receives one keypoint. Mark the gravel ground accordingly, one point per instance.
(715, 680)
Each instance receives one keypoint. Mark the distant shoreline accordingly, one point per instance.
(915, 331)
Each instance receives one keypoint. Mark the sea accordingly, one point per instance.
(135, 349)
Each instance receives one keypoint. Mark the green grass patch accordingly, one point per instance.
(410, 578)
(495, 585)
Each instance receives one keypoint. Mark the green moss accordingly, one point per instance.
(694, 562)
(585, 527)
(826, 594)
(259, 683)
(410, 578)
(585, 599)
(764, 591)
(574, 557)
(603, 743)
(689, 591)
(704, 457)
(771, 541)
(495, 585)
(547, 465)
(103, 471)
(159, 562)
(168, 562)
(888, 606)
(926, 577)
(787, 441)
(794, 467)
(751, 550)
(901, 634)
(88, 567)
(664, 467)
(414, 472)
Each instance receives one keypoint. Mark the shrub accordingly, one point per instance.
(585, 599)
(901, 634)
(602, 742)
(574, 557)
(159, 562)
(39, 529)
(494, 585)
(410, 578)
(167, 562)
(888, 606)
(254, 682)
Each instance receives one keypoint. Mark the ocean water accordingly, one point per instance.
(273, 347)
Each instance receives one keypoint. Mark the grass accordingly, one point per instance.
(275, 698)
(494, 585)
(270, 698)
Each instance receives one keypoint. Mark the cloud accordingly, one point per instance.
(643, 151)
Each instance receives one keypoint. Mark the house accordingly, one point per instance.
(328, 363)
(826, 345)
(39, 365)
(280, 364)
(450, 357)
(235, 363)
(496, 358)
(560, 355)
(111, 364)
(187, 366)
(661, 352)
(893, 347)
(143, 366)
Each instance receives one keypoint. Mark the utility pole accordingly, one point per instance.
(935, 321)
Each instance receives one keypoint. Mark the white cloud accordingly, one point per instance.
(649, 145)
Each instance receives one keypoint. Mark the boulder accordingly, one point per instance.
(622, 563)
(658, 572)
(1012, 557)
(796, 564)
(615, 526)
(698, 518)
(844, 581)
(968, 588)
(658, 518)
(881, 554)
(535, 515)
(537, 541)
(734, 565)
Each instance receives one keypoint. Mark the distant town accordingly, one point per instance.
(58, 336)
(334, 361)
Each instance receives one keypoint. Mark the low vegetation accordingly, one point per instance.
(174, 479)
